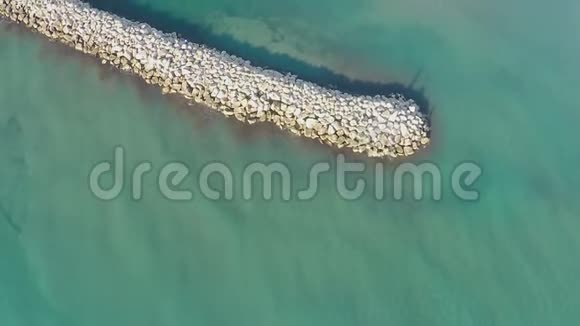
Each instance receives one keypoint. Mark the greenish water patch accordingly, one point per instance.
(504, 94)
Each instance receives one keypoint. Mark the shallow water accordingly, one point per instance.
(501, 78)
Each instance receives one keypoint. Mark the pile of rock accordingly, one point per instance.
(378, 126)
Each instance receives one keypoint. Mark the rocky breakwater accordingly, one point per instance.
(378, 126)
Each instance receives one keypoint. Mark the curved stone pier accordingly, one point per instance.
(378, 126)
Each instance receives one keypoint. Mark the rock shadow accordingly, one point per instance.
(259, 56)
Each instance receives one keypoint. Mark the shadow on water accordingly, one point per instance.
(257, 55)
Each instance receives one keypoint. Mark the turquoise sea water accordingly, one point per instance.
(502, 77)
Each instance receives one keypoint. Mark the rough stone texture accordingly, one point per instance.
(378, 126)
